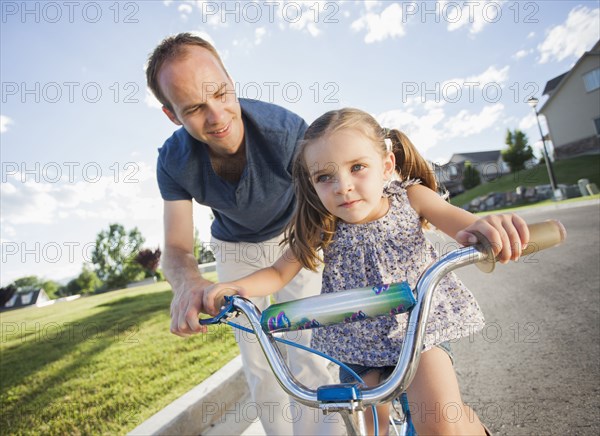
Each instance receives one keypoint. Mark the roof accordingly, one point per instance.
(595, 51)
(479, 156)
(553, 83)
(26, 296)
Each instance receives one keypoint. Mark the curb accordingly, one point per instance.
(202, 410)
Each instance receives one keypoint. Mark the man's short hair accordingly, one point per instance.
(170, 48)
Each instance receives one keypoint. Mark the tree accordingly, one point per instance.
(202, 253)
(149, 261)
(86, 283)
(49, 286)
(114, 256)
(471, 176)
(518, 151)
(27, 281)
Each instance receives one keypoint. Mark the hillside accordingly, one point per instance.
(567, 172)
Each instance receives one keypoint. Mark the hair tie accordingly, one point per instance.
(387, 140)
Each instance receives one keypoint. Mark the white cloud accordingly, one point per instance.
(185, 10)
(527, 122)
(521, 54)
(83, 191)
(210, 11)
(27, 203)
(379, 27)
(422, 130)
(578, 33)
(4, 123)
(474, 84)
(466, 123)
(259, 34)
(475, 16)
(304, 15)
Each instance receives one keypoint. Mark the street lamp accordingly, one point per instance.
(555, 193)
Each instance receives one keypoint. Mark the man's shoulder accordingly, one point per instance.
(269, 116)
(177, 148)
(178, 143)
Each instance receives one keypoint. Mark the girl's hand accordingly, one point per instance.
(507, 233)
(213, 296)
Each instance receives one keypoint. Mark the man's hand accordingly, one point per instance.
(186, 307)
(214, 295)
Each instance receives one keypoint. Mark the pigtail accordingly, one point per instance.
(409, 162)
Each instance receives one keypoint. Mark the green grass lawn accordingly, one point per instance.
(567, 171)
(100, 364)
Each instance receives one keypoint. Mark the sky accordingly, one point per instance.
(79, 131)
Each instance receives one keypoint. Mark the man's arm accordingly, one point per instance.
(181, 268)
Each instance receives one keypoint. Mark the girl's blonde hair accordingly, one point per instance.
(312, 227)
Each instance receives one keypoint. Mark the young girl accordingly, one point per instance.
(363, 196)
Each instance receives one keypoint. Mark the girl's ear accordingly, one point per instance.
(389, 165)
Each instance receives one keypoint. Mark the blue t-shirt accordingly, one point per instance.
(259, 206)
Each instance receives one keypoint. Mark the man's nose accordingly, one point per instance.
(216, 113)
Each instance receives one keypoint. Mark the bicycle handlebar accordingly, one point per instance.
(542, 235)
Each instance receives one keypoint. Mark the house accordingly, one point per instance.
(489, 164)
(27, 296)
(572, 109)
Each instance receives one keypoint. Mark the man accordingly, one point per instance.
(234, 156)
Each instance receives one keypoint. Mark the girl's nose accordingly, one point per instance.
(343, 185)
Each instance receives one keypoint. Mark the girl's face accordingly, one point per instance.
(349, 173)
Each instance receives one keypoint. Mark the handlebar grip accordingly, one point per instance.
(542, 235)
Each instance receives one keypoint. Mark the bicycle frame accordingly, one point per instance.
(350, 400)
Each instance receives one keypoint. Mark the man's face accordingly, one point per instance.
(203, 100)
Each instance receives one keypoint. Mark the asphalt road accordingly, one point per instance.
(534, 369)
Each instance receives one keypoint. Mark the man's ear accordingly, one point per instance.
(171, 116)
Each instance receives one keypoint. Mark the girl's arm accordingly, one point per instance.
(263, 282)
(508, 233)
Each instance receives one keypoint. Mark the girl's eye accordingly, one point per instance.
(357, 167)
(323, 178)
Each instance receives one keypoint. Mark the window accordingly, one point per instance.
(26, 298)
(591, 80)
(597, 124)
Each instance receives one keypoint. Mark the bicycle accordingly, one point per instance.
(351, 399)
